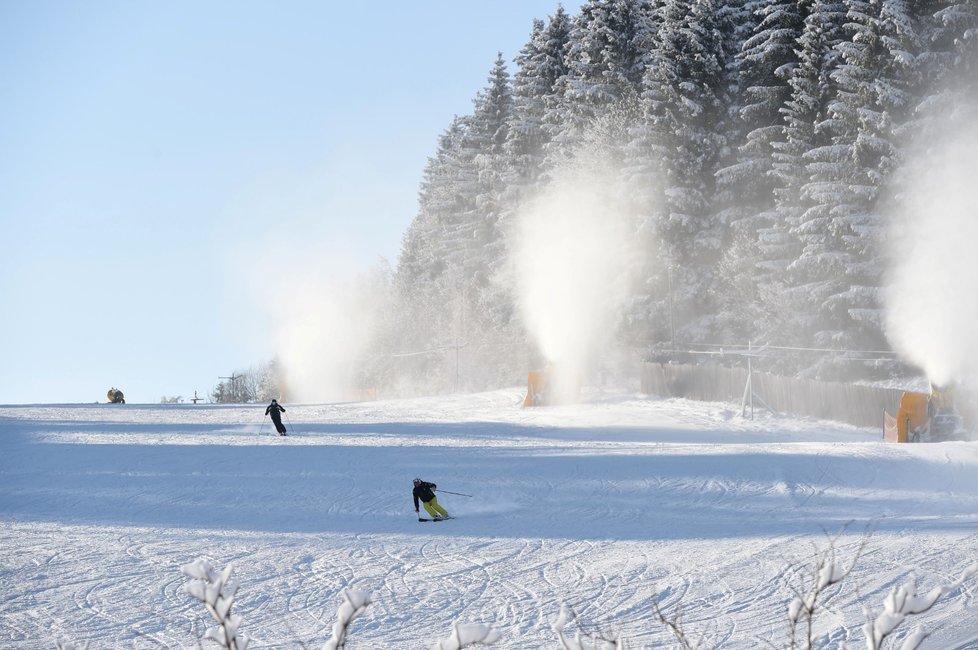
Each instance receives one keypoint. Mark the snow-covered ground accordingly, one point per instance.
(607, 507)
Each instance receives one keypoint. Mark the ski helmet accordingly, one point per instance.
(416, 481)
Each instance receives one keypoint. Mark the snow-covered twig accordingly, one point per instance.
(216, 590)
(579, 643)
(902, 602)
(828, 571)
(675, 626)
(467, 634)
(354, 604)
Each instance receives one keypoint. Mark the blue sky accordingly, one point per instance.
(154, 157)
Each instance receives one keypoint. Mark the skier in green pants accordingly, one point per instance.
(425, 493)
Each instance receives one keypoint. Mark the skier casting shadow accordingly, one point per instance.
(275, 410)
(425, 492)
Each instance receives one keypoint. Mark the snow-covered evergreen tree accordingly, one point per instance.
(606, 58)
(486, 137)
(752, 143)
(788, 310)
(458, 207)
(682, 98)
(745, 187)
(425, 284)
(736, 22)
(541, 65)
(949, 30)
(876, 78)
(487, 302)
(453, 245)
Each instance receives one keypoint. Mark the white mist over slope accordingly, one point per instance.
(569, 260)
(320, 318)
(320, 335)
(931, 295)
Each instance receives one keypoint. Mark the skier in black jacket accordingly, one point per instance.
(275, 410)
(425, 492)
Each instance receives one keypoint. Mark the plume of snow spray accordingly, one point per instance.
(569, 257)
(931, 293)
(320, 316)
(321, 331)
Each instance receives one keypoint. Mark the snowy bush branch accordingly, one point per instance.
(827, 572)
(902, 602)
(354, 603)
(216, 590)
(675, 626)
(466, 635)
(589, 642)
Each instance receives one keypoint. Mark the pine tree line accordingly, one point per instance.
(750, 145)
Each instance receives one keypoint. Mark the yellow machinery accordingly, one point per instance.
(910, 420)
(115, 396)
(536, 388)
(927, 417)
(550, 387)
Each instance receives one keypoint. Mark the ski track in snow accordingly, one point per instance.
(608, 506)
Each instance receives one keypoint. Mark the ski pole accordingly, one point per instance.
(262, 427)
(458, 493)
(290, 424)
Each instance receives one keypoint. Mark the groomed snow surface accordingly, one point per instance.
(607, 507)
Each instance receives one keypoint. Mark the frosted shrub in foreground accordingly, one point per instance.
(594, 642)
(216, 590)
(827, 572)
(899, 604)
(675, 625)
(354, 604)
(903, 602)
(465, 635)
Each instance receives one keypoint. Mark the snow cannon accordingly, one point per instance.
(929, 417)
(536, 388)
(115, 396)
(550, 387)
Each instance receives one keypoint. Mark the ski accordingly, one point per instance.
(441, 519)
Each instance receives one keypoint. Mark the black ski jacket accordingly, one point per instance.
(425, 492)
(275, 409)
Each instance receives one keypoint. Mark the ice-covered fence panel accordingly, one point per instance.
(856, 404)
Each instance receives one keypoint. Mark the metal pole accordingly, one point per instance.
(672, 327)
(456, 493)
(458, 334)
(750, 380)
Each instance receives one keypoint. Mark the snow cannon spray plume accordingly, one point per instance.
(569, 252)
(931, 293)
(320, 317)
(324, 327)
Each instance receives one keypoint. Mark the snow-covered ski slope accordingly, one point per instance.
(605, 506)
